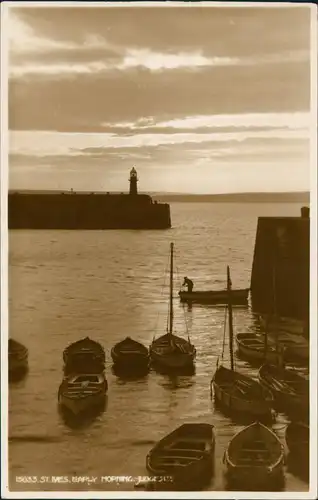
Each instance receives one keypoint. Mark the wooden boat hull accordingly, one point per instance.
(85, 346)
(250, 346)
(183, 361)
(293, 349)
(289, 334)
(82, 398)
(297, 439)
(298, 352)
(84, 356)
(281, 325)
(130, 354)
(256, 401)
(255, 458)
(17, 357)
(83, 364)
(182, 357)
(82, 404)
(238, 297)
(186, 455)
(130, 362)
(291, 391)
(17, 363)
(254, 478)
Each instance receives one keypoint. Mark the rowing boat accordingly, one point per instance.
(81, 393)
(239, 296)
(291, 390)
(296, 347)
(185, 455)
(254, 347)
(235, 391)
(255, 457)
(130, 354)
(242, 394)
(170, 351)
(84, 356)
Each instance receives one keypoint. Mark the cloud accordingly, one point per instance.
(180, 160)
(58, 69)
(52, 102)
(156, 61)
(53, 144)
(118, 65)
(199, 98)
(151, 61)
(23, 40)
(248, 120)
(238, 31)
(34, 54)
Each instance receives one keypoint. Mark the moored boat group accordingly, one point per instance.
(254, 457)
(84, 385)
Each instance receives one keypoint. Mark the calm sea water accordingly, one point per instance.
(64, 285)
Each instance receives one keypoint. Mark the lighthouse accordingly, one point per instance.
(133, 182)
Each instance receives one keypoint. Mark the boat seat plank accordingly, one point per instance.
(184, 450)
(177, 457)
(254, 450)
(130, 351)
(253, 460)
(169, 465)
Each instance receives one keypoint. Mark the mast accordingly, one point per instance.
(229, 302)
(279, 350)
(274, 314)
(171, 291)
(266, 338)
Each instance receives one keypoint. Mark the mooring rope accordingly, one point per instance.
(161, 295)
(224, 332)
(183, 305)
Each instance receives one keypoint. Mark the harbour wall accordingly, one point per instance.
(281, 267)
(86, 211)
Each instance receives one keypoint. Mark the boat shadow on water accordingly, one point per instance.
(238, 417)
(298, 468)
(132, 373)
(172, 485)
(17, 375)
(176, 380)
(187, 371)
(232, 485)
(84, 419)
(252, 362)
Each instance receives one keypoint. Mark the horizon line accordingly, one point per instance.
(175, 193)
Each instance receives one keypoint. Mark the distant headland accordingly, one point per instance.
(256, 197)
(279, 197)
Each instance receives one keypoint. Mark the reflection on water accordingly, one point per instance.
(18, 375)
(298, 468)
(82, 421)
(108, 285)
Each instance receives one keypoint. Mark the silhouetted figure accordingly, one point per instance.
(188, 283)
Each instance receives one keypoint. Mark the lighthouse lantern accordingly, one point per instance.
(133, 179)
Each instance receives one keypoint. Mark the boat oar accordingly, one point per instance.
(281, 386)
(244, 383)
(238, 388)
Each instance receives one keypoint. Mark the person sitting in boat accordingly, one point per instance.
(189, 283)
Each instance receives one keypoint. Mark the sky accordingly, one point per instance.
(198, 99)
